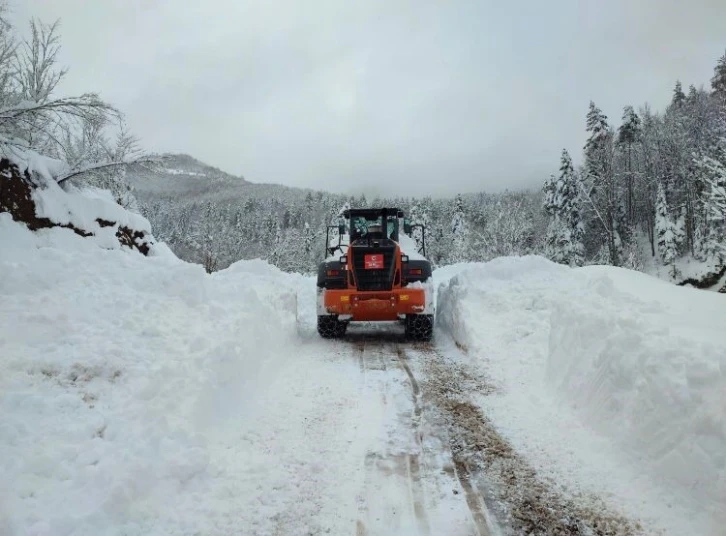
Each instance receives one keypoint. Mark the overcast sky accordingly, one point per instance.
(380, 96)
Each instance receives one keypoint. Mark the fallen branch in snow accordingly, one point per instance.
(105, 165)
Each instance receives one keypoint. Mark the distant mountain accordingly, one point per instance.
(213, 218)
(184, 177)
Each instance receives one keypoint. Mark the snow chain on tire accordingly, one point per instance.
(329, 327)
(419, 327)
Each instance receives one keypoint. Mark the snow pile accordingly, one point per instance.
(610, 379)
(409, 247)
(645, 363)
(35, 163)
(114, 370)
(92, 210)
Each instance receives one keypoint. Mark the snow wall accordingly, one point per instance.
(116, 367)
(639, 361)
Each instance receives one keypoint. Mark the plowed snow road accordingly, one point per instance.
(369, 435)
(411, 483)
(386, 440)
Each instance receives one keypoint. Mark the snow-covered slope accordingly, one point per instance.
(112, 363)
(184, 178)
(606, 377)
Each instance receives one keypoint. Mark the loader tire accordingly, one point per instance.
(419, 327)
(329, 327)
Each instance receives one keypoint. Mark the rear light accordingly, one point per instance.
(333, 273)
(415, 271)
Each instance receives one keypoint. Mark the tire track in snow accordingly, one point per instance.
(528, 504)
(413, 460)
(474, 502)
(393, 491)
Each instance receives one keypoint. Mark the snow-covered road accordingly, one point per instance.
(339, 445)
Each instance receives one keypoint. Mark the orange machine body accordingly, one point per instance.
(374, 305)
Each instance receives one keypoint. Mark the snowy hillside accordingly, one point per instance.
(180, 176)
(203, 213)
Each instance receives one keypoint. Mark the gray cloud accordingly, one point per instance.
(381, 97)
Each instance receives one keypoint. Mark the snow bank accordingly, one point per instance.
(645, 363)
(114, 366)
(603, 375)
(409, 247)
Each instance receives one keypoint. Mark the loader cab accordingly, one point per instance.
(373, 224)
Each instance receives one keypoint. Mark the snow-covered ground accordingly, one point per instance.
(686, 267)
(610, 382)
(114, 368)
(140, 395)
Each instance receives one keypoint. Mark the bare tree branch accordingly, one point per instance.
(104, 165)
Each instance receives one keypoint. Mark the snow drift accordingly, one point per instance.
(638, 363)
(114, 365)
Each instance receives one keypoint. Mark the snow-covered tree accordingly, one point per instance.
(629, 135)
(667, 230)
(33, 118)
(460, 250)
(678, 96)
(602, 188)
(562, 201)
(419, 215)
(714, 240)
(718, 82)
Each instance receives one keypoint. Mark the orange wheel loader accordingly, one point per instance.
(375, 273)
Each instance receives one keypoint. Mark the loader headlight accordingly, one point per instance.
(344, 259)
(404, 259)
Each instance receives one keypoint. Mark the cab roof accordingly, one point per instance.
(373, 212)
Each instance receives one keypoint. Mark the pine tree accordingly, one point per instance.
(715, 206)
(629, 135)
(548, 198)
(420, 215)
(459, 232)
(562, 202)
(718, 82)
(678, 96)
(666, 230)
(603, 194)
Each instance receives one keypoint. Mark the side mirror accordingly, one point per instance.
(407, 227)
(341, 229)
